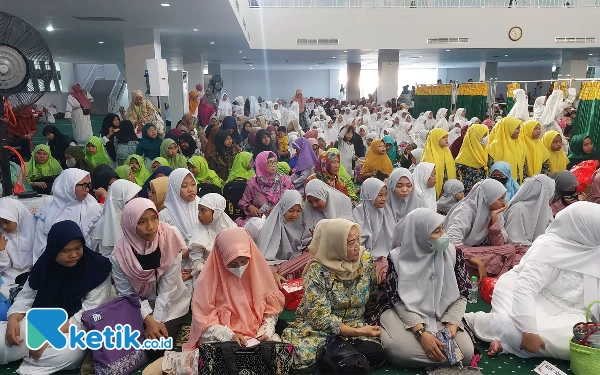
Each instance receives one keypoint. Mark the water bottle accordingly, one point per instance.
(474, 290)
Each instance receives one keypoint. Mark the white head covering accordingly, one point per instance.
(108, 230)
(520, 110)
(339, 206)
(572, 243)
(330, 135)
(459, 117)
(467, 223)
(421, 138)
(538, 108)
(442, 122)
(400, 207)
(206, 235)
(275, 113)
(20, 243)
(427, 122)
(254, 107)
(426, 197)
(224, 105)
(553, 107)
(426, 279)
(185, 215)
(529, 213)
(376, 224)
(417, 153)
(280, 239)
(448, 198)
(453, 134)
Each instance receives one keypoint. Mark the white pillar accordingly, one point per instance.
(575, 64)
(488, 70)
(140, 44)
(67, 76)
(353, 82)
(195, 74)
(388, 75)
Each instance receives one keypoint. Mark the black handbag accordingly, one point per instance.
(229, 358)
(338, 356)
(86, 111)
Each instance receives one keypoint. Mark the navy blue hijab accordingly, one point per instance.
(230, 123)
(162, 169)
(66, 287)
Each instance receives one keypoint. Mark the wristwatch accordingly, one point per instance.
(419, 333)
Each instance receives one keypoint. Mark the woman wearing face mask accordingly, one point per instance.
(472, 159)
(42, 169)
(452, 193)
(146, 262)
(75, 158)
(424, 178)
(400, 196)
(536, 155)
(68, 275)
(233, 300)
(339, 264)
(581, 148)
(557, 159)
(475, 226)
(437, 152)
(565, 192)
(423, 256)
(70, 201)
(505, 145)
(501, 172)
(377, 223)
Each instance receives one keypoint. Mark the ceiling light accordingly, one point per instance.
(505, 55)
(345, 51)
(195, 29)
(251, 64)
(317, 65)
(50, 28)
(333, 57)
(212, 42)
(310, 68)
(100, 42)
(252, 68)
(591, 54)
(447, 50)
(244, 58)
(240, 51)
(165, 5)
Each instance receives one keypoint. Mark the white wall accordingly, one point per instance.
(274, 84)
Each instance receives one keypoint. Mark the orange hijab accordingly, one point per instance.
(377, 162)
(222, 298)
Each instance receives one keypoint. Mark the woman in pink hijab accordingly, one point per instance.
(301, 100)
(205, 111)
(235, 299)
(147, 262)
(78, 112)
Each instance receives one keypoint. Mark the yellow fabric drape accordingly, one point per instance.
(558, 159)
(535, 152)
(510, 88)
(441, 157)
(433, 90)
(472, 153)
(473, 89)
(502, 147)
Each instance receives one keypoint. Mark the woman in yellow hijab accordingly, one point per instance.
(505, 145)
(557, 158)
(536, 155)
(472, 159)
(193, 99)
(377, 161)
(437, 152)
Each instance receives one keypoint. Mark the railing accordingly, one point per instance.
(116, 93)
(89, 82)
(423, 3)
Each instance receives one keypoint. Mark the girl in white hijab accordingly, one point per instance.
(529, 213)
(537, 303)
(225, 107)
(108, 230)
(213, 220)
(452, 192)
(276, 112)
(459, 117)
(254, 107)
(340, 122)
(181, 204)
(17, 230)
(400, 196)
(416, 156)
(405, 131)
(538, 108)
(421, 138)
(429, 122)
(424, 185)
(554, 109)
(428, 288)
(441, 121)
(376, 222)
(520, 110)
(70, 201)
(330, 132)
(475, 225)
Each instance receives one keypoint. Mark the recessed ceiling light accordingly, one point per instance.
(195, 29)
(252, 68)
(100, 42)
(240, 52)
(591, 54)
(505, 55)
(447, 50)
(317, 65)
(251, 64)
(310, 68)
(244, 58)
(212, 42)
(345, 51)
(50, 28)
(333, 57)
(165, 5)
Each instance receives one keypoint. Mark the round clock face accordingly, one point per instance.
(515, 33)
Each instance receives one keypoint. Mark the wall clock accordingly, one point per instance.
(515, 33)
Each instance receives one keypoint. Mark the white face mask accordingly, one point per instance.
(484, 140)
(71, 162)
(238, 271)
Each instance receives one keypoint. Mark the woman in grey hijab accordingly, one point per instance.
(452, 192)
(423, 259)
(565, 191)
(376, 222)
(400, 196)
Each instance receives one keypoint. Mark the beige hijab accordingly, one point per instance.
(328, 247)
(160, 185)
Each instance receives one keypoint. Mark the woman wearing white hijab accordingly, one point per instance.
(400, 194)
(537, 303)
(424, 185)
(420, 138)
(427, 290)
(17, 230)
(330, 132)
(441, 120)
(529, 213)
(376, 222)
(460, 117)
(70, 201)
(416, 156)
(254, 107)
(181, 207)
(429, 122)
(225, 108)
(554, 108)
(405, 131)
(520, 110)
(276, 112)
(108, 230)
(475, 225)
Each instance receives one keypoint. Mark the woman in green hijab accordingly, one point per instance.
(94, 152)
(581, 148)
(204, 175)
(159, 162)
(242, 167)
(136, 163)
(75, 158)
(170, 151)
(125, 172)
(42, 169)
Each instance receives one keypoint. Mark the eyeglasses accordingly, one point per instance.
(84, 185)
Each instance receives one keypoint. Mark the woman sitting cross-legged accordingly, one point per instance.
(339, 282)
(67, 275)
(427, 288)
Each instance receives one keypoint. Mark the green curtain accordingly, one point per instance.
(475, 105)
(510, 102)
(431, 103)
(588, 112)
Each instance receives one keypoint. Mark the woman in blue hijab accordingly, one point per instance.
(501, 171)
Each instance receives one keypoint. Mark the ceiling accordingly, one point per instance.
(77, 41)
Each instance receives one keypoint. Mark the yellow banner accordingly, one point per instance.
(473, 89)
(590, 90)
(510, 88)
(433, 90)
